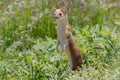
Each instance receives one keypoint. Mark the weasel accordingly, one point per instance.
(66, 40)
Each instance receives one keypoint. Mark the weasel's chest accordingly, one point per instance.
(61, 34)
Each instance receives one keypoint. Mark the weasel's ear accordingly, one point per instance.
(53, 10)
(64, 10)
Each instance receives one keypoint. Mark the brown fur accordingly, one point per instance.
(76, 54)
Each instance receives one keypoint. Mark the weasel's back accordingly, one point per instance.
(75, 52)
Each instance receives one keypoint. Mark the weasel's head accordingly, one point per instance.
(59, 14)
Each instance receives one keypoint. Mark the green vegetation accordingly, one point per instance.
(28, 38)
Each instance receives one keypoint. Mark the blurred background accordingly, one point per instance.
(28, 37)
(23, 21)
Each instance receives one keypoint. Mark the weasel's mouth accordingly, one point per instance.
(56, 17)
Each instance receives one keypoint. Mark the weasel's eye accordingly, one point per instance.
(60, 14)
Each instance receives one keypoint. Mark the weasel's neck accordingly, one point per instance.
(62, 22)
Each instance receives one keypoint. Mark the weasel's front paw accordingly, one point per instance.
(63, 48)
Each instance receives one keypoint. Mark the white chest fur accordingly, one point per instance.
(62, 35)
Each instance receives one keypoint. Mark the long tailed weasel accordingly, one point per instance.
(65, 38)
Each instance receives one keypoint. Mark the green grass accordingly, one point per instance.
(28, 38)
